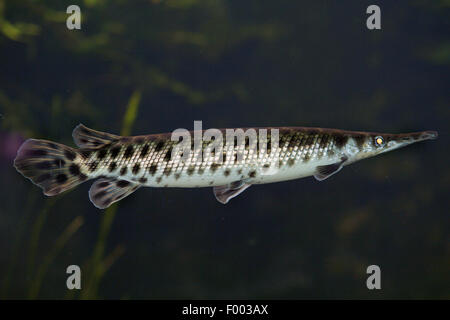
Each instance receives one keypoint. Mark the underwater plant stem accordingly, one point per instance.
(59, 244)
(97, 264)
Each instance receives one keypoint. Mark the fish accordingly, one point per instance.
(121, 165)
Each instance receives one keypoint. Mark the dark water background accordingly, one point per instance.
(230, 64)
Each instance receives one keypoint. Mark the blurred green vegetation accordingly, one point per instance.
(229, 63)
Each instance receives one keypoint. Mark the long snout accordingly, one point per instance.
(428, 135)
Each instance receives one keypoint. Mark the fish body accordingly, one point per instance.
(123, 164)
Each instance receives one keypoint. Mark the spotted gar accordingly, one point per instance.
(121, 165)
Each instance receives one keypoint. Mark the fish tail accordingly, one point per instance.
(52, 166)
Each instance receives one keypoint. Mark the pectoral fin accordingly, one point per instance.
(105, 192)
(324, 172)
(225, 193)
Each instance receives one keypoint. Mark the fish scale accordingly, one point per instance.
(298, 149)
(121, 165)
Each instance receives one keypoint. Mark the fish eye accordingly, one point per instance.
(379, 141)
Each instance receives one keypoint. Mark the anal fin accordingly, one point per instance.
(105, 192)
(225, 193)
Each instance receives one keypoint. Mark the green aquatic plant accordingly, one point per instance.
(59, 244)
(98, 264)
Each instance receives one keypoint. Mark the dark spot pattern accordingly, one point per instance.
(324, 141)
(84, 153)
(247, 143)
(74, 169)
(143, 180)
(158, 180)
(167, 171)
(340, 140)
(252, 174)
(122, 183)
(177, 176)
(306, 158)
(190, 170)
(61, 178)
(291, 162)
(53, 145)
(159, 146)
(226, 172)
(152, 169)
(103, 184)
(129, 151)
(93, 166)
(102, 154)
(112, 166)
(123, 171)
(214, 167)
(235, 142)
(293, 142)
(100, 194)
(136, 168)
(144, 151)
(69, 154)
(115, 152)
(168, 155)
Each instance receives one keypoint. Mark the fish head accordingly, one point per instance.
(362, 146)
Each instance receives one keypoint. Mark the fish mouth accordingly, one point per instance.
(416, 136)
(428, 135)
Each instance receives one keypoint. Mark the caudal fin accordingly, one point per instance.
(51, 166)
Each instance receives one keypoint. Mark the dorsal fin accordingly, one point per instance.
(85, 137)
